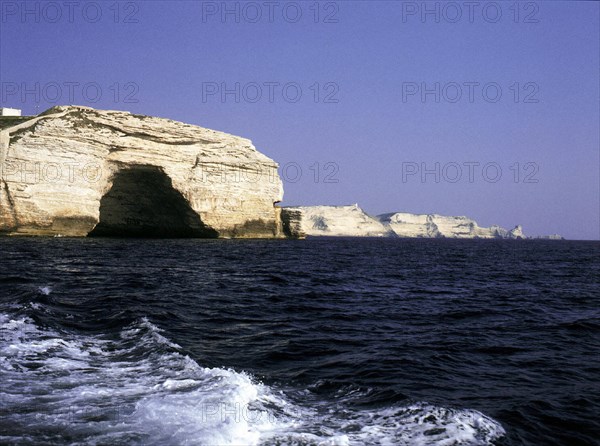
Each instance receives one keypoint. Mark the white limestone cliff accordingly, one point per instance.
(352, 221)
(335, 221)
(76, 170)
(433, 225)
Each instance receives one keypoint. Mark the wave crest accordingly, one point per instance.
(141, 388)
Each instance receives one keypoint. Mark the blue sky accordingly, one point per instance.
(523, 134)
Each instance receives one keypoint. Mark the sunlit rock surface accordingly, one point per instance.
(76, 171)
(352, 221)
(334, 221)
(433, 225)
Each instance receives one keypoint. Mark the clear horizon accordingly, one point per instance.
(489, 111)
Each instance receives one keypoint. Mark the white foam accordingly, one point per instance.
(45, 290)
(424, 424)
(143, 389)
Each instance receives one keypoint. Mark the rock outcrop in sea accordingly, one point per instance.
(352, 221)
(548, 237)
(77, 171)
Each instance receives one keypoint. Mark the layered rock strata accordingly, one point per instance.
(434, 225)
(77, 171)
(335, 221)
(352, 221)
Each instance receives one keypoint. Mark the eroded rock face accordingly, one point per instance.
(352, 221)
(432, 225)
(77, 171)
(333, 221)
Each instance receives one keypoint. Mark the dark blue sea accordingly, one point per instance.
(313, 342)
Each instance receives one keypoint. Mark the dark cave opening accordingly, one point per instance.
(143, 203)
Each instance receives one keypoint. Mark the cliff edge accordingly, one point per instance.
(433, 225)
(335, 221)
(352, 221)
(77, 171)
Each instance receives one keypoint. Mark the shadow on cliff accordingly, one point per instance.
(143, 203)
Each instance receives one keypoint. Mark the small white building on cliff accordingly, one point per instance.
(10, 112)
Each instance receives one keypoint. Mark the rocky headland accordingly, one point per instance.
(334, 221)
(439, 226)
(77, 171)
(352, 221)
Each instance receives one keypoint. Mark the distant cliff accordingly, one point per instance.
(548, 237)
(333, 221)
(434, 225)
(352, 221)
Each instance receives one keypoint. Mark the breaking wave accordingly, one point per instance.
(139, 387)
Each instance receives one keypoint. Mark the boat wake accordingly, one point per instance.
(139, 387)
